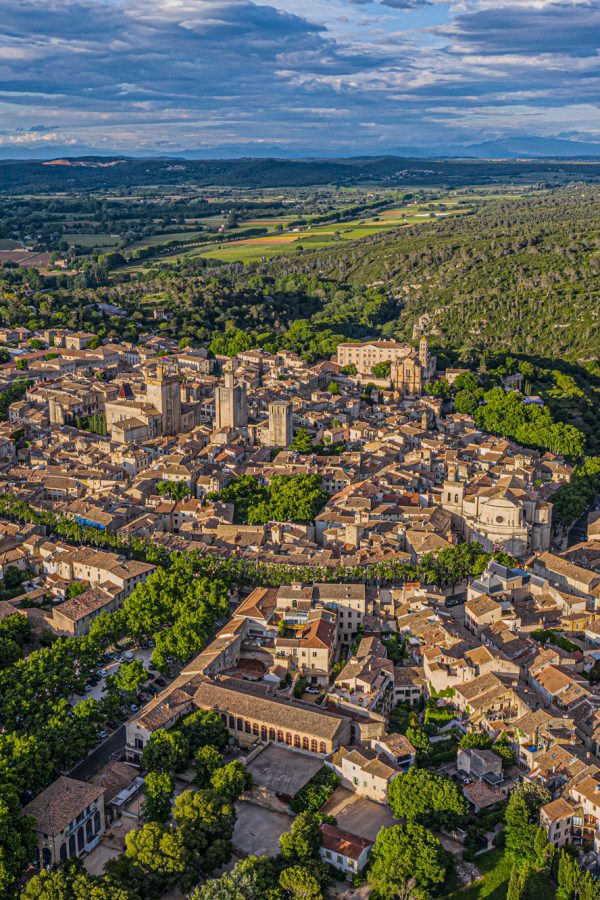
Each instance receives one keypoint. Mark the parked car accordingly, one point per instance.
(128, 655)
(102, 734)
(161, 682)
(133, 707)
(88, 688)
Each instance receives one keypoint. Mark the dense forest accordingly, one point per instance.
(98, 173)
(521, 275)
(517, 275)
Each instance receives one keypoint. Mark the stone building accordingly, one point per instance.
(69, 820)
(163, 391)
(280, 432)
(231, 403)
(365, 356)
(410, 373)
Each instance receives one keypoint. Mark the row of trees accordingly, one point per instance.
(449, 567)
(43, 733)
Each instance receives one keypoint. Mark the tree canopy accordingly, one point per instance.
(426, 798)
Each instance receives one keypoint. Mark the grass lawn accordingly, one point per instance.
(496, 868)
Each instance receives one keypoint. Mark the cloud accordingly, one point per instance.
(406, 4)
(175, 74)
(567, 28)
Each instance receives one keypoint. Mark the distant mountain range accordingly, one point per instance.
(522, 147)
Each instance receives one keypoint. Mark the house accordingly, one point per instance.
(69, 820)
(397, 748)
(409, 684)
(312, 648)
(343, 850)
(161, 712)
(562, 821)
(364, 771)
(480, 612)
(481, 796)
(75, 616)
(367, 679)
(562, 573)
(120, 781)
(480, 763)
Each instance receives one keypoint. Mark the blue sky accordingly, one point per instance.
(331, 76)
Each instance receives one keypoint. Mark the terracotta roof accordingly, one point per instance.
(342, 842)
(557, 809)
(90, 601)
(61, 803)
(279, 713)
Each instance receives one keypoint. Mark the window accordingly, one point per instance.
(271, 734)
(240, 724)
(313, 745)
(305, 743)
(322, 747)
(280, 736)
(254, 728)
(296, 740)
(247, 727)
(288, 738)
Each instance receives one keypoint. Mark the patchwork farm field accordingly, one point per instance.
(316, 236)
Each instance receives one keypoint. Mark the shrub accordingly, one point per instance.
(315, 792)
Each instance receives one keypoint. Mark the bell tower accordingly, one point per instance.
(163, 391)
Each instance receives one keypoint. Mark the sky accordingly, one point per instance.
(331, 77)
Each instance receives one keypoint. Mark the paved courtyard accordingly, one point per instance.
(112, 843)
(282, 770)
(358, 815)
(257, 829)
